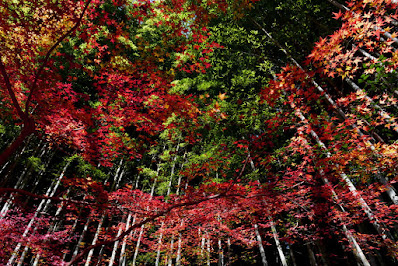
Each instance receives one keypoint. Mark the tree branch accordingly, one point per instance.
(10, 91)
(24, 192)
(137, 225)
(40, 70)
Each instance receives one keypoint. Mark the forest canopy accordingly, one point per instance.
(198, 132)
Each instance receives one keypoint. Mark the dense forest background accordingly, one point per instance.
(198, 132)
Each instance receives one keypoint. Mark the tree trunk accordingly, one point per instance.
(386, 117)
(220, 254)
(260, 246)
(82, 235)
(137, 247)
(43, 204)
(178, 259)
(278, 244)
(122, 258)
(97, 232)
(344, 8)
(14, 146)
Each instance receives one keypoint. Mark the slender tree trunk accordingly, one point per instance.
(384, 32)
(4, 175)
(21, 180)
(43, 203)
(167, 194)
(292, 256)
(3, 167)
(384, 115)
(202, 244)
(278, 244)
(350, 185)
(14, 146)
(81, 237)
(116, 245)
(260, 246)
(220, 254)
(122, 258)
(137, 247)
(178, 259)
(52, 228)
(274, 233)
(97, 232)
(179, 176)
(359, 255)
(311, 255)
(170, 257)
(208, 251)
(116, 178)
(229, 259)
(317, 86)
(159, 244)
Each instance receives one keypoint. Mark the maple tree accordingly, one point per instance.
(173, 132)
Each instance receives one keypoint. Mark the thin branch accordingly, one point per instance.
(10, 91)
(137, 225)
(40, 70)
(26, 193)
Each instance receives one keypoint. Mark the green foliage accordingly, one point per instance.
(85, 169)
(35, 163)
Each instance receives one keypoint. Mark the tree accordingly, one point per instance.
(193, 138)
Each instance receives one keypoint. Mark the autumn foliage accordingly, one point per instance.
(151, 157)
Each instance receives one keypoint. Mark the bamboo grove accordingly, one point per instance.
(198, 132)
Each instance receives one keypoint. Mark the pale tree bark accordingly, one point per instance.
(50, 192)
(159, 244)
(278, 244)
(116, 179)
(208, 251)
(359, 255)
(383, 114)
(229, 259)
(220, 254)
(316, 85)
(260, 246)
(4, 167)
(137, 247)
(167, 194)
(384, 32)
(169, 260)
(178, 259)
(179, 246)
(391, 191)
(274, 233)
(97, 233)
(179, 177)
(52, 228)
(350, 185)
(122, 257)
(23, 177)
(202, 243)
(81, 237)
(357, 250)
(116, 245)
